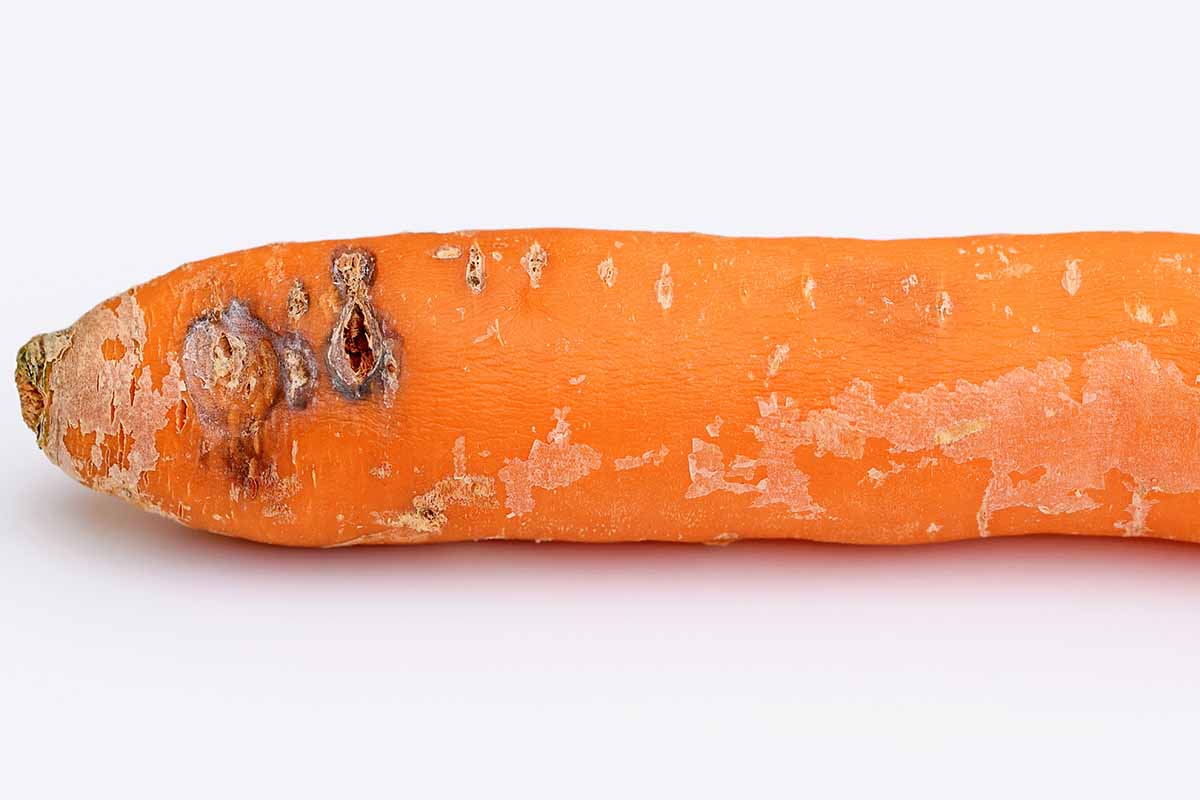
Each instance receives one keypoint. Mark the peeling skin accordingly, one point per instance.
(428, 515)
(1025, 423)
(552, 464)
(102, 400)
(654, 457)
(714, 428)
(944, 307)
(779, 435)
(664, 288)
(447, 252)
(534, 262)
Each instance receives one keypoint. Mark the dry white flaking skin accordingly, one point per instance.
(104, 398)
(428, 516)
(654, 457)
(552, 464)
(448, 252)
(1126, 393)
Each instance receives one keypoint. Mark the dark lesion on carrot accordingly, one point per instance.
(236, 370)
(356, 347)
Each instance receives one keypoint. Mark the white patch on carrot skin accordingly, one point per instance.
(1139, 511)
(944, 307)
(1168, 319)
(534, 262)
(382, 471)
(664, 288)
(782, 482)
(1072, 277)
(810, 286)
(551, 464)
(714, 428)
(113, 400)
(578, 379)
(908, 284)
(427, 516)
(447, 252)
(654, 457)
(776, 359)
(1140, 312)
(1125, 393)
(607, 271)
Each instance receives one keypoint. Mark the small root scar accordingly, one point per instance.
(1072, 277)
(607, 271)
(534, 262)
(664, 288)
(476, 274)
(776, 359)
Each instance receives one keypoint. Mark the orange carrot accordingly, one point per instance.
(612, 386)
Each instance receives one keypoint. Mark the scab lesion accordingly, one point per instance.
(357, 347)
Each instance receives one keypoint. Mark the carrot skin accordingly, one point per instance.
(606, 386)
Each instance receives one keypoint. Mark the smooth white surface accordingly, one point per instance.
(142, 660)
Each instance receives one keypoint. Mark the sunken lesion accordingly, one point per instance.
(357, 349)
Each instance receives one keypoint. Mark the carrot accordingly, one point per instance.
(612, 386)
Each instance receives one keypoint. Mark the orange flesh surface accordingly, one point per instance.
(653, 386)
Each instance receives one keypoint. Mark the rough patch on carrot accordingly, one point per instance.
(608, 386)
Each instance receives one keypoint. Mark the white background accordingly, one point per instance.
(141, 660)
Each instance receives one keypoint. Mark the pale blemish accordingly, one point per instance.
(909, 283)
(492, 332)
(428, 514)
(1072, 277)
(496, 256)
(782, 483)
(664, 287)
(1140, 312)
(775, 361)
(944, 307)
(1168, 319)
(1139, 511)
(933, 528)
(714, 428)
(382, 471)
(447, 252)
(1126, 393)
(607, 271)
(578, 379)
(650, 457)
(109, 400)
(810, 286)
(534, 262)
(552, 464)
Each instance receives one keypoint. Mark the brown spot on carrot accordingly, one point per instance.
(297, 302)
(299, 371)
(476, 269)
(233, 377)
